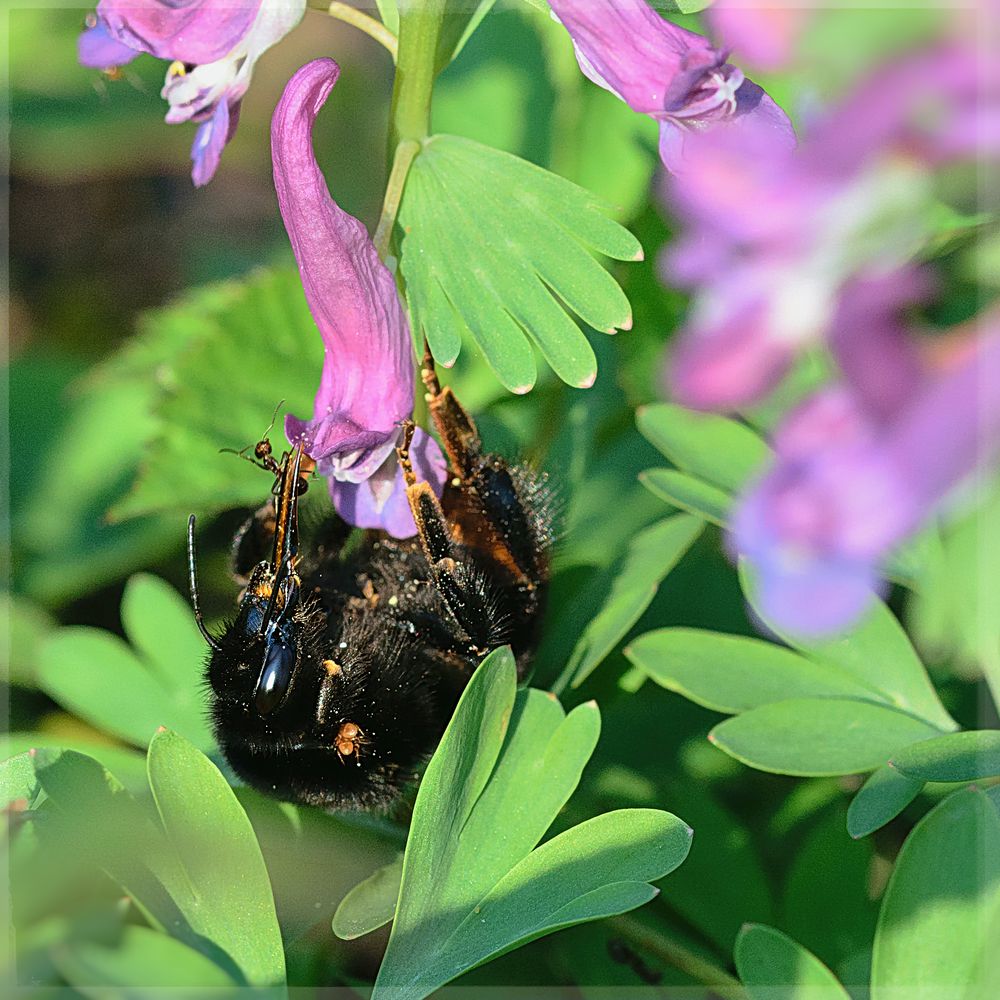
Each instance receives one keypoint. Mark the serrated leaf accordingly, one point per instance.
(720, 451)
(876, 651)
(258, 345)
(97, 676)
(688, 493)
(218, 851)
(952, 757)
(774, 967)
(818, 736)
(651, 555)
(936, 928)
(732, 673)
(880, 799)
(534, 233)
(507, 762)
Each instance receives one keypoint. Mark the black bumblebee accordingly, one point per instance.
(343, 665)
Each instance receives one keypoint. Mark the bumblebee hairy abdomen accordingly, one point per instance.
(348, 655)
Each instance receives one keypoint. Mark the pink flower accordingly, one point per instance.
(862, 464)
(773, 235)
(663, 71)
(213, 48)
(367, 384)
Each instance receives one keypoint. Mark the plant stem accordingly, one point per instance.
(371, 27)
(679, 956)
(419, 27)
(403, 157)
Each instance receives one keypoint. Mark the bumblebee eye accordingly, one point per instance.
(272, 685)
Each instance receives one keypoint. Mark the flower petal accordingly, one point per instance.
(627, 48)
(97, 49)
(366, 389)
(370, 505)
(756, 117)
(209, 141)
(191, 31)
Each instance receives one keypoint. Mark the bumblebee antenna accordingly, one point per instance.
(193, 585)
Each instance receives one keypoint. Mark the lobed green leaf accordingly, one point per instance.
(952, 757)
(774, 967)
(651, 555)
(534, 234)
(936, 933)
(818, 736)
(722, 452)
(733, 673)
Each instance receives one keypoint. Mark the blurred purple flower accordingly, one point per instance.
(213, 48)
(773, 234)
(366, 389)
(859, 466)
(763, 37)
(663, 71)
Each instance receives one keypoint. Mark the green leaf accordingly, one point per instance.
(723, 452)
(152, 609)
(255, 344)
(126, 765)
(223, 867)
(97, 676)
(936, 928)
(952, 757)
(142, 958)
(651, 555)
(880, 799)
(876, 652)
(472, 887)
(732, 673)
(818, 736)
(29, 625)
(459, 22)
(534, 234)
(620, 167)
(90, 810)
(826, 903)
(689, 493)
(17, 779)
(774, 967)
(189, 866)
(370, 904)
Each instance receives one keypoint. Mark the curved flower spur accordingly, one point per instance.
(344, 663)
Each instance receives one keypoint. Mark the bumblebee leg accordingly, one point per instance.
(464, 593)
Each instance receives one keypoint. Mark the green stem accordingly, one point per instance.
(419, 28)
(361, 21)
(403, 157)
(655, 943)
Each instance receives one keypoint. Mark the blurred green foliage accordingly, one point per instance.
(152, 325)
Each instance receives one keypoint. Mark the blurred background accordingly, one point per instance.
(107, 234)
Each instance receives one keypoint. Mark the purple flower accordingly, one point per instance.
(663, 71)
(774, 234)
(859, 466)
(213, 48)
(366, 389)
(761, 36)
